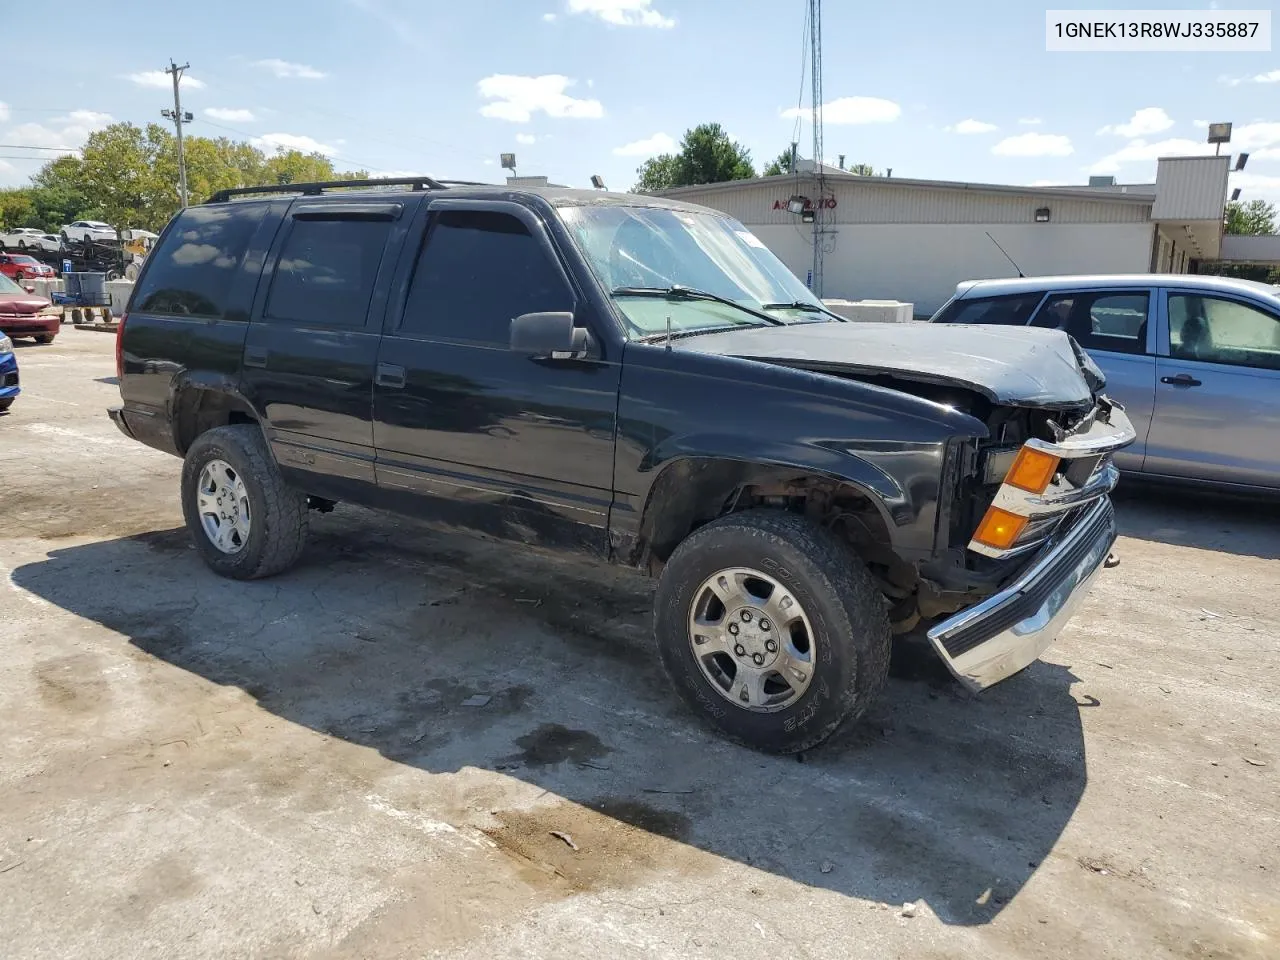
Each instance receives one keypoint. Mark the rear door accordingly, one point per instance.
(310, 353)
(1117, 329)
(518, 447)
(1218, 391)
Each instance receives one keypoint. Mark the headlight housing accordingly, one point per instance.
(6, 345)
(52, 310)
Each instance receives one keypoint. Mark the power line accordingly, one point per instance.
(331, 156)
(32, 146)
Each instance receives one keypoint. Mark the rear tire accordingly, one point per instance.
(846, 627)
(22, 246)
(277, 528)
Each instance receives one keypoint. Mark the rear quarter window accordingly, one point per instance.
(191, 272)
(1014, 310)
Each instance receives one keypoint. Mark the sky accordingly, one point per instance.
(931, 88)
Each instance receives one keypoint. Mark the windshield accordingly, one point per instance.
(655, 248)
(8, 286)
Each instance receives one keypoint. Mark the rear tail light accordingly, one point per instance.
(120, 348)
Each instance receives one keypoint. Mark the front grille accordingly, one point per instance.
(1030, 600)
(11, 379)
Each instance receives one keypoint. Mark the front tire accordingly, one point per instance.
(771, 630)
(43, 338)
(5, 404)
(245, 521)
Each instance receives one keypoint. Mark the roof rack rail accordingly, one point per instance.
(318, 187)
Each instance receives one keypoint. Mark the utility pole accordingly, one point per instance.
(820, 179)
(178, 118)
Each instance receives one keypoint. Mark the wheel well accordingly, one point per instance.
(198, 410)
(693, 492)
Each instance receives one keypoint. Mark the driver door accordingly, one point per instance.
(517, 447)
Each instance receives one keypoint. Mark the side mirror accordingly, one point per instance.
(29, 287)
(548, 336)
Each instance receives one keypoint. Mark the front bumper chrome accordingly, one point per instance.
(996, 638)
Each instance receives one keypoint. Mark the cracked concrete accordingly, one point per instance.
(199, 768)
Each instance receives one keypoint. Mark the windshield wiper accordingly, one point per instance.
(678, 292)
(802, 305)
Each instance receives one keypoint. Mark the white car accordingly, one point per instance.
(88, 231)
(26, 238)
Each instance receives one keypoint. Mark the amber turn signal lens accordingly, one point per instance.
(999, 528)
(1032, 470)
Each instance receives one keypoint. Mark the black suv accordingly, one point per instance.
(641, 382)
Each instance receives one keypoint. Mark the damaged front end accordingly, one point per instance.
(1046, 527)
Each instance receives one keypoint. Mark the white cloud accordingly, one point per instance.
(1030, 121)
(658, 143)
(1257, 186)
(1140, 151)
(518, 98)
(972, 126)
(526, 138)
(1034, 145)
(1271, 153)
(623, 13)
(230, 114)
(549, 18)
(271, 142)
(1143, 123)
(162, 80)
(286, 70)
(1271, 76)
(68, 132)
(4, 110)
(1255, 135)
(848, 110)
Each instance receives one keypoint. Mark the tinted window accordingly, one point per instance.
(477, 272)
(1099, 321)
(1222, 331)
(1014, 310)
(326, 272)
(191, 273)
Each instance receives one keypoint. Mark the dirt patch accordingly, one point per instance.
(619, 843)
(552, 743)
(71, 684)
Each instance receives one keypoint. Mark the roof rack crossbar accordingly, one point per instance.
(316, 188)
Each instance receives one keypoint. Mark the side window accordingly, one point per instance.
(1222, 331)
(1010, 311)
(190, 274)
(326, 272)
(1115, 322)
(476, 273)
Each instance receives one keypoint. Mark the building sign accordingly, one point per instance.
(828, 203)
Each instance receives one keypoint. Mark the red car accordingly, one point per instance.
(18, 266)
(24, 314)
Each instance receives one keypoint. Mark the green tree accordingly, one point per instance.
(1253, 218)
(778, 167)
(656, 173)
(863, 170)
(707, 155)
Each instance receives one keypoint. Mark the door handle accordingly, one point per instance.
(1181, 380)
(254, 357)
(390, 375)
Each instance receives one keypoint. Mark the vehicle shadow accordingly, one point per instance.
(391, 637)
(1207, 521)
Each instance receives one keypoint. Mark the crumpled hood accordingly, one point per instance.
(21, 304)
(1023, 366)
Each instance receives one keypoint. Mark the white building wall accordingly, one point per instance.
(922, 263)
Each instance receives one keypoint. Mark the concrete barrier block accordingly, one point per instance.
(44, 287)
(873, 311)
(120, 291)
